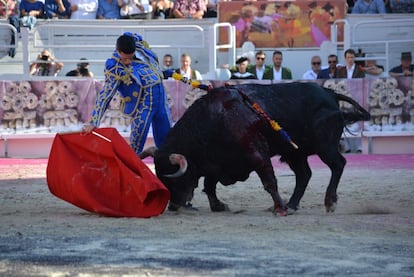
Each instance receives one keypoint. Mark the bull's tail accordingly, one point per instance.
(357, 114)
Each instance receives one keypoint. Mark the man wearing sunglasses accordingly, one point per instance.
(330, 72)
(260, 70)
(312, 73)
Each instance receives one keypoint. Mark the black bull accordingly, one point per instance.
(223, 138)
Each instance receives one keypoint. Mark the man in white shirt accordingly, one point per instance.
(278, 71)
(83, 9)
(312, 74)
(186, 70)
(260, 70)
(349, 71)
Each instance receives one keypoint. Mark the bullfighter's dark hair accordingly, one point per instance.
(125, 44)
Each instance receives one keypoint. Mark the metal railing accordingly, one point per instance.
(69, 40)
(383, 39)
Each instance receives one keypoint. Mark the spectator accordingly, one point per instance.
(83, 9)
(349, 71)
(134, 60)
(57, 9)
(211, 8)
(82, 70)
(136, 9)
(260, 70)
(312, 74)
(279, 72)
(369, 7)
(33, 8)
(372, 69)
(387, 6)
(330, 72)
(167, 62)
(402, 6)
(109, 9)
(46, 65)
(186, 69)
(30, 11)
(162, 9)
(167, 65)
(405, 68)
(189, 9)
(241, 72)
(9, 9)
(350, 4)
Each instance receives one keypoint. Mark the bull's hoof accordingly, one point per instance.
(280, 212)
(330, 204)
(219, 207)
(188, 207)
(173, 207)
(331, 208)
(291, 208)
(291, 211)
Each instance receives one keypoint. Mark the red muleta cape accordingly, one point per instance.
(99, 172)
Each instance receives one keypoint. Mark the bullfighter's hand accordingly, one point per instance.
(88, 128)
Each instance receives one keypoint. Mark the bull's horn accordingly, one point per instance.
(147, 152)
(181, 161)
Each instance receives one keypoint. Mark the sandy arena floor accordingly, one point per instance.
(370, 234)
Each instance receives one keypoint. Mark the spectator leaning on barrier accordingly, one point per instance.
(405, 68)
(30, 11)
(372, 69)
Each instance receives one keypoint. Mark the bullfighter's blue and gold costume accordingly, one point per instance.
(141, 88)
